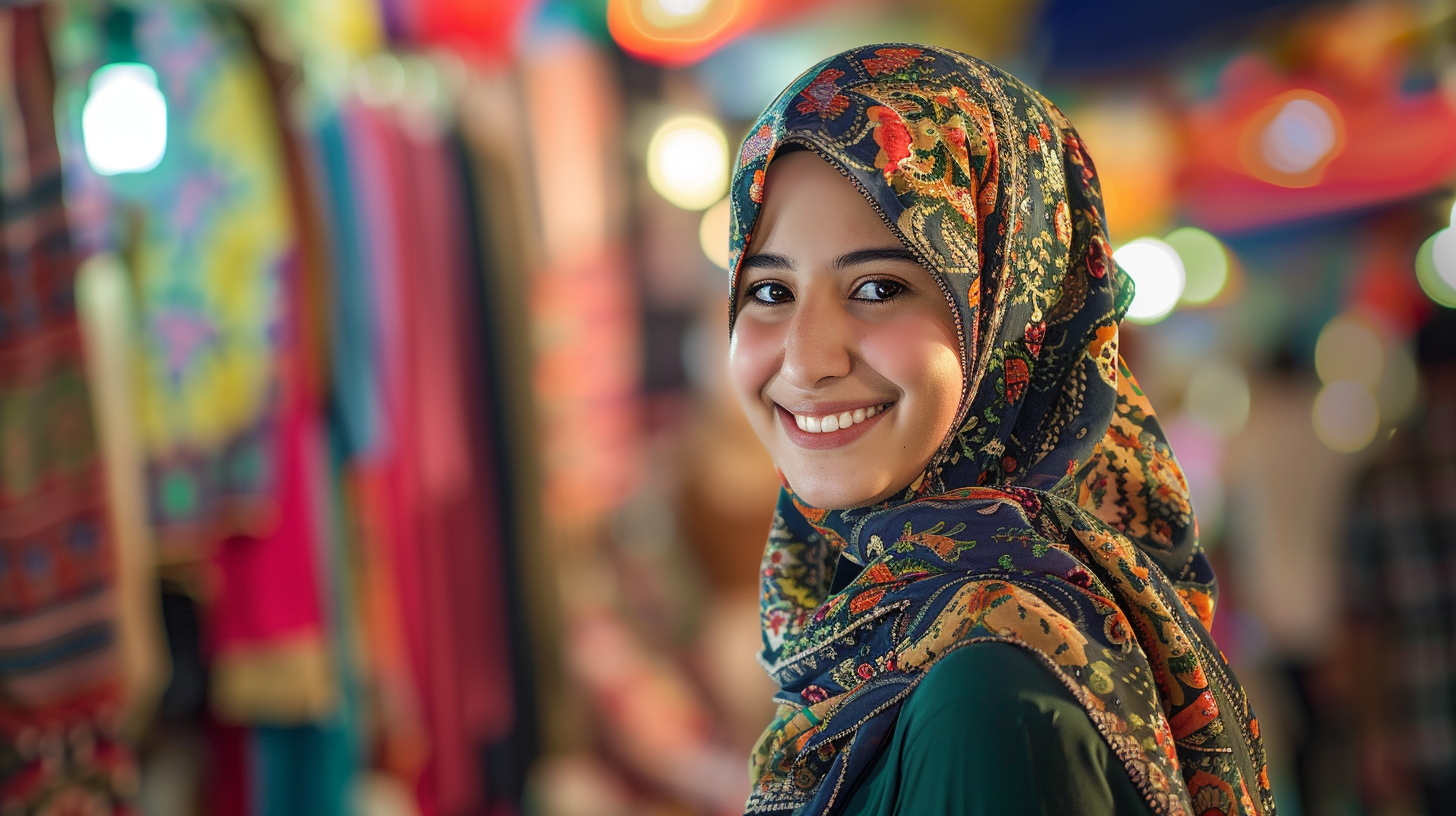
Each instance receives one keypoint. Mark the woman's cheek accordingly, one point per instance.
(755, 355)
(920, 358)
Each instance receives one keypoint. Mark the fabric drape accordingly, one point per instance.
(1054, 517)
(61, 661)
(212, 233)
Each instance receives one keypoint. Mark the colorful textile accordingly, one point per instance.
(270, 637)
(60, 672)
(215, 231)
(1055, 518)
(438, 512)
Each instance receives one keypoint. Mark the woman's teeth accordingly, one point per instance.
(837, 422)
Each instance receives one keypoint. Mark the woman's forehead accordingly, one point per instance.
(806, 199)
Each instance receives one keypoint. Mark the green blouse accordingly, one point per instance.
(990, 732)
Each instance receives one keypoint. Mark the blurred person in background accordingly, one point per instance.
(983, 590)
(1400, 599)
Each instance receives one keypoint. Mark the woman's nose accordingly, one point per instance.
(817, 345)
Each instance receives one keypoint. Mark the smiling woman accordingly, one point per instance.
(983, 591)
(844, 354)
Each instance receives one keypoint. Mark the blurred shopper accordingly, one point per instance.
(1286, 521)
(983, 591)
(1401, 599)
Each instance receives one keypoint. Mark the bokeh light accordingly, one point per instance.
(380, 80)
(1139, 152)
(1157, 271)
(1202, 452)
(1443, 255)
(1346, 416)
(677, 32)
(124, 120)
(1433, 282)
(1291, 140)
(713, 233)
(687, 162)
(1349, 347)
(1399, 385)
(1205, 263)
(1299, 136)
(1217, 397)
(670, 13)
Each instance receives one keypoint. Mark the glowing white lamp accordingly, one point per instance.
(124, 120)
(1439, 255)
(681, 8)
(1443, 255)
(673, 13)
(1158, 274)
(687, 162)
(1436, 267)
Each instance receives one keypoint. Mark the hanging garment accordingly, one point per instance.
(499, 208)
(366, 501)
(212, 230)
(441, 516)
(289, 656)
(273, 644)
(60, 665)
(457, 509)
(1054, 519)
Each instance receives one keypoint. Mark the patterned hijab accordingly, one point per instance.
(1055, 518)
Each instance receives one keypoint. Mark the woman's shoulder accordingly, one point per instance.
(983, 694)
(990, 728)
(975, 676)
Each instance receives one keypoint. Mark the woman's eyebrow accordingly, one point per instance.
(768, 260)
(860, 256)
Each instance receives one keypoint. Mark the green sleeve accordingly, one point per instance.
(991, 732)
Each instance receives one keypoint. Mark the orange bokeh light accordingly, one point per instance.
(650, 30)
(1271, 153)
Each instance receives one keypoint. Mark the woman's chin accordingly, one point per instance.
(834, 492)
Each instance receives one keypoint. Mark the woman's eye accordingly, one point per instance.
(878, 290)
(771, 292)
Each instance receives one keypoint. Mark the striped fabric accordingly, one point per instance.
(59, 659)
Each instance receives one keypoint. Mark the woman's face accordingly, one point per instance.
(844, 352)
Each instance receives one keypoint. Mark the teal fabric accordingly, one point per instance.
(990, 731)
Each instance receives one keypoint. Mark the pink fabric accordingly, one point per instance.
(269, 585)
(443, 524)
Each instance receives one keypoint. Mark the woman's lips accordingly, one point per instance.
(831, 439)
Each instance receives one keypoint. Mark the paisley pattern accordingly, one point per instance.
(1055, 517)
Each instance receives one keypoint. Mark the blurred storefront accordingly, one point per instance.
(364, 439)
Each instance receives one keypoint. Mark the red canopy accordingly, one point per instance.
(1387, 145)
